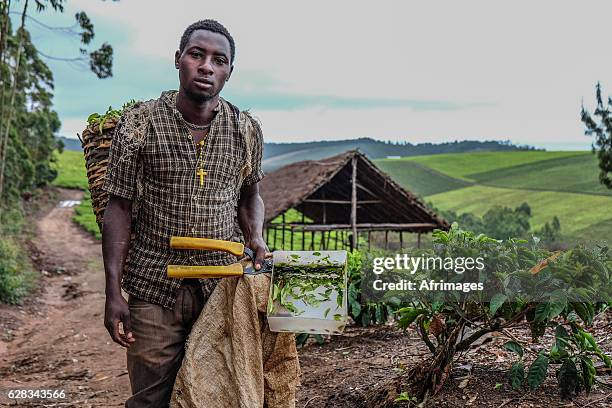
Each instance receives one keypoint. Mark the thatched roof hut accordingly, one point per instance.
(346, 192)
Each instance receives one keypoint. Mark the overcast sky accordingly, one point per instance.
(392, 70)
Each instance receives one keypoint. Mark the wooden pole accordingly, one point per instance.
(303, 230)
(386, 239)
(312, 240)
(369, 239)
(401, 233)
(283, 232)
(324, 208)
(322, 244)
(419, 240)
(274, 239)
(291, 245)
(354, 202)
(268, 235)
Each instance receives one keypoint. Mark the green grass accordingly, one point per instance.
(70, 166)
(577, 174)
(418, 178)
(578, 213)
(72, 174)
(85, 217)
(462, 165)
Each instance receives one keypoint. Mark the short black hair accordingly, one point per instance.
(209, 25)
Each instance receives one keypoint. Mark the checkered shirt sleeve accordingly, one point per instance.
(257, 152)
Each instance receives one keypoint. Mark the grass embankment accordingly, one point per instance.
(17, 275)
(564, 184)
(72, 174)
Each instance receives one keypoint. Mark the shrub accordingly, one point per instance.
(548, 291)
(12, 283)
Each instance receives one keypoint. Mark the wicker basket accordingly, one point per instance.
(96, 145)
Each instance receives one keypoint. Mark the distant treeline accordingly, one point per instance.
(376, 149)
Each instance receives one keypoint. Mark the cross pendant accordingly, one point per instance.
(201, 173)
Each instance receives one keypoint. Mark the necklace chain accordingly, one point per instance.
(193, 126)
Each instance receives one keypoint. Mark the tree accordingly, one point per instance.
(599, 125)
(27, 122)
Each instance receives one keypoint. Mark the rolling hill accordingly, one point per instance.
(562, 184)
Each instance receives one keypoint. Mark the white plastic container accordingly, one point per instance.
(317, 304)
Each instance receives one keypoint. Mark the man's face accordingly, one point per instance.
(204, 66)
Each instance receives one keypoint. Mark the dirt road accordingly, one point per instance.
(61, 343)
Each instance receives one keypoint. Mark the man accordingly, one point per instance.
(192, 155)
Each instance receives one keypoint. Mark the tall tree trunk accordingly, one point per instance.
(4, 33)
(11, 107)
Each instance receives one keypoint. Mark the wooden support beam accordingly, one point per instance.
(419, 240)
(283, 232)
(324, 210)
(354, 202)
(387, 239)
(363, 227)
(303, 231)
(369, 239)
(366, 190)
(401, 237)
(321, 201)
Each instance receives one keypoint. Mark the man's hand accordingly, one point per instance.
(261, 251)
(117, 310)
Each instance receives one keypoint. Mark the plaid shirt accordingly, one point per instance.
(172, 201)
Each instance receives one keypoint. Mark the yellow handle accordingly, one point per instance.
(234, 248)
(185, 271)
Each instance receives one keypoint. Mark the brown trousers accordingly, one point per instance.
(154, 359)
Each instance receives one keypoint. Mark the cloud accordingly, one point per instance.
(291, 102)
(433, 71)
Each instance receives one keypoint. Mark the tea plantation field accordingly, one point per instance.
(564, 184)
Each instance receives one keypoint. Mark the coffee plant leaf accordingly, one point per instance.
(496, 302)
(588, 372)
(567, 377)
(537, 371)
(517, 375)
(514, 347)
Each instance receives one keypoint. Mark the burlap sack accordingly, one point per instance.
(232, 359)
